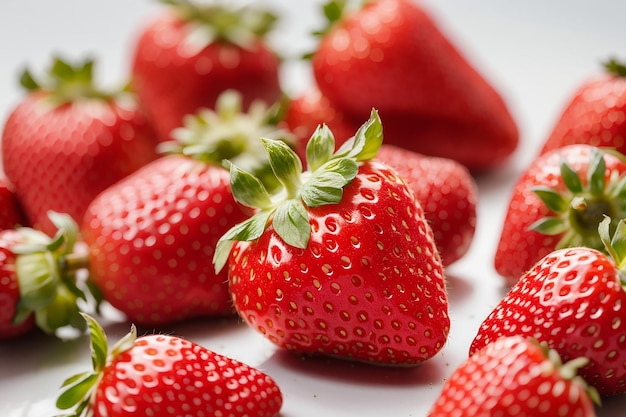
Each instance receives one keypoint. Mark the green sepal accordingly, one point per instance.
(615, 67)
(28, 82)
(38, 279)
(326, 184)
(552, 199)
(595, 173)
(62, 311)
(366, 142)
(320, 147)
(285, 164)
(616, 245)
(99, 344)
(247, 188)
(291, 222)
(78, 388)
(571, 179)
(550, 226)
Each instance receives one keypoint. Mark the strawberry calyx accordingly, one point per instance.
(46, 275)
(578, 211)
(77, 390)
(322, 183)
(66, 83)
(568, 370)
(229, 133)
(208, 23)
(615, 67)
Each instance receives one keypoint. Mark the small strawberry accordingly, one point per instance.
(391, 55)
(67, 141)
(447, 192)
(152, 235)
(342, 262)
(190, 53)
(559, 202)
(38, 284)
(515, 376)
(11, 210)
(572, 300)
(158, 375)
(595, 114)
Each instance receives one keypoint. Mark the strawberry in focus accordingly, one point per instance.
(190, 53)
(595, 114)
(572, 300)
(66, 141)
(558, 202)
(342, 262)
(157, 375)
(391, 55)
(515, 376)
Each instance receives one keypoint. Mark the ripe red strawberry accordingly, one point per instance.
(447, 192)
(67, 141)
(11, 211)
(594, 115)
(515, 376)
(559, 202)
(342, 262)
(151, 238)
(158, 375)
(572, 300)
(38, 284)
(391, 55)
(190, 53)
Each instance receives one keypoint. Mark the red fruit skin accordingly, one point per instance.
(166, 375)
(11, 212)
(594, 115)
(519, 247)
(391, 55)
(151, 239)
(369, 286)
(571, 299)
(447, 192)
(9, 289)
(172, 82)
(511, 377)
(61, 158)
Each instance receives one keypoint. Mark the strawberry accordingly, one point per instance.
(447, 193)
(190, 53)
(151, 236)
(38, 284)
(157, 375)
(391, 55)
(593, 115)
(67, 141)
(342, 261)
(558, 202)
(11, 210)
(515, 376)
(571, 299)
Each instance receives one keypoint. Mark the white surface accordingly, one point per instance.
(535, 52)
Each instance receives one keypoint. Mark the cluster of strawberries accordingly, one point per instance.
(324, 221)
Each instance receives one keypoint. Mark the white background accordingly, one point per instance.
(535, 52)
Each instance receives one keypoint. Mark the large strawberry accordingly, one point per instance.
(558, 202)
(67, 141)
(515, 376)
(594, 115)
(391, 55)
(38, 279)
(190, 53)
(447, 192)
(342, 262)
(572, 300)
(158, 375)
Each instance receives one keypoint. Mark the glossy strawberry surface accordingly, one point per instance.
(512, 376)
(369, 286)
(151, 239)
(572, 300)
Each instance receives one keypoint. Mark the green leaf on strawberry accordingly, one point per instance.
(321, 184)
